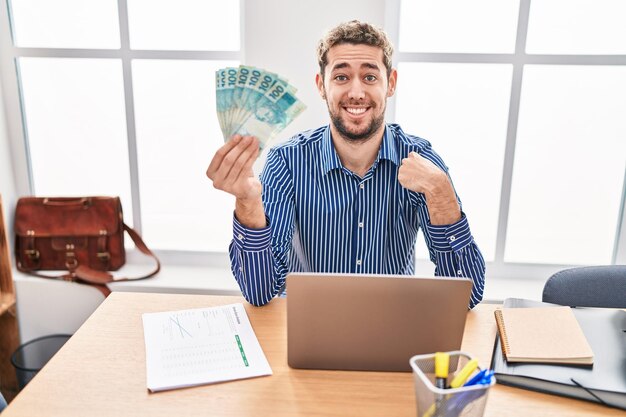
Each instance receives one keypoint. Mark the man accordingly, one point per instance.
(348, 197)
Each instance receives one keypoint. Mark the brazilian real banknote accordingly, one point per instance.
(256, 102)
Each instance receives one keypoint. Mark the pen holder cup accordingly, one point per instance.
(431, 401)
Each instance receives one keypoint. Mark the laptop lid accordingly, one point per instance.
(372, 322)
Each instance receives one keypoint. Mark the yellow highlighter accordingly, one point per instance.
(462, 376)
(442, 363)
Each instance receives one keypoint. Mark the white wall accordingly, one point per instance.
(12, 153)
(7, 183)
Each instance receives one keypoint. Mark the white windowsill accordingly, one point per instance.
(179, 279)
(218, 280)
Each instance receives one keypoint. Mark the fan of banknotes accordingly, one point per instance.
(253, 101)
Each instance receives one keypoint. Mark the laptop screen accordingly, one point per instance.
(372, 322)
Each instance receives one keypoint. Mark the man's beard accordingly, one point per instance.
(362, 136)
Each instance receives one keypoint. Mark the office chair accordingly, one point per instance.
(592, 286)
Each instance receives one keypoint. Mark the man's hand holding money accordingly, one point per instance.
(231, 171)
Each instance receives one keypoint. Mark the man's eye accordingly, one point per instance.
(341, 78)
(370, 78)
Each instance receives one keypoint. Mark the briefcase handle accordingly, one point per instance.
(64, 202)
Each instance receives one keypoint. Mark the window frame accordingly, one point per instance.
(518, 59)
(17, 127)
(22, 173)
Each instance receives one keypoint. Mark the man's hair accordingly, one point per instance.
(357, 33)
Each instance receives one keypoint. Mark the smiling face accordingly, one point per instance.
(356, 87)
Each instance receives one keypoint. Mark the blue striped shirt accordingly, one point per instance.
(323, 218)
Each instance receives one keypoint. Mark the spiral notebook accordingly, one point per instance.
(542, 335)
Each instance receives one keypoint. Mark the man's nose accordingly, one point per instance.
(356, 91)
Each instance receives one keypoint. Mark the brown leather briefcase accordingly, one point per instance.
(83, 236)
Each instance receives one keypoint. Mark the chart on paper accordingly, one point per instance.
(201, 346)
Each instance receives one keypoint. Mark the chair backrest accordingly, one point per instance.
(592, 286)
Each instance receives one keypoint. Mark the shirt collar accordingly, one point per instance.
(330, 159)
(389, 147)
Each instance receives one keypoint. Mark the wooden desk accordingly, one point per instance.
(101, 371)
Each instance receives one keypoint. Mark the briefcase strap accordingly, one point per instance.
(99, 279)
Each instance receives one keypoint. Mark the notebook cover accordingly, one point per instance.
(542, 335)
(604, 382)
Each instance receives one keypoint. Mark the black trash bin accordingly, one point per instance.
(30, 357)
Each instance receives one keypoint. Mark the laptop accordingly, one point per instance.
(372, 322)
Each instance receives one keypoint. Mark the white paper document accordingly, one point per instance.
(201, 346)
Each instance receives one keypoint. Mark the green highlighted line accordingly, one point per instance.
(243, 354)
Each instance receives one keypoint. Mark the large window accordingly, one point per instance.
(525, 102)
(523, 99)
(118, 98)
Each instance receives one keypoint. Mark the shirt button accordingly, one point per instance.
(452, 238)
(241, 268)
(360, 224)
(240, 236)
(358, 262)
(459, 272)
(362, 186)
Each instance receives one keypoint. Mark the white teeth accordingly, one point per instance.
(355, 110)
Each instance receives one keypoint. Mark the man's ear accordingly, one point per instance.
(393, 79)
(320, 85)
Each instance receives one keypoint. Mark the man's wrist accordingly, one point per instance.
(443, 207)
(250, 213)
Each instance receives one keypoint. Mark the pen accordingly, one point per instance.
(476, 378)
(462, 376)
(487, 378)
(482, 378)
